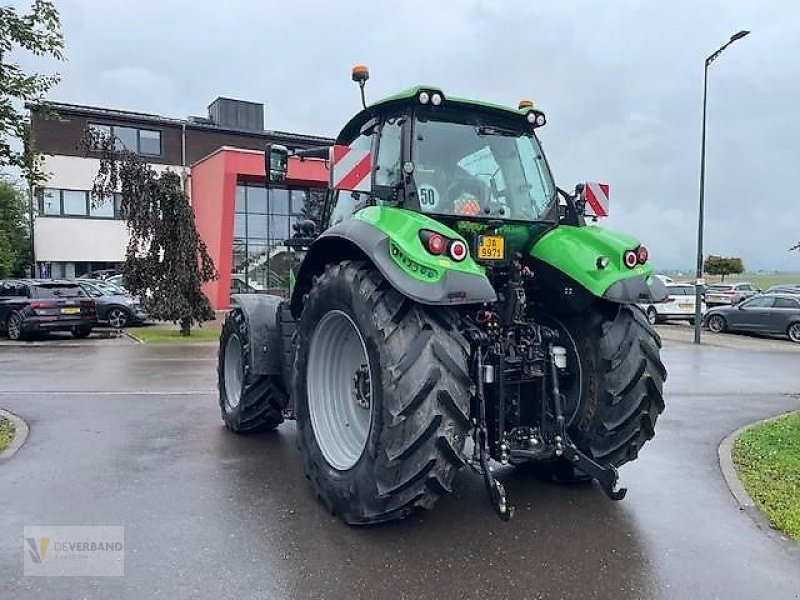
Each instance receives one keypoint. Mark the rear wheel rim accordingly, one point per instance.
(794, 332)
(13, 327)
(651, 316)
(117, 318)
(716, 324)
(340, 390)
(232, 371)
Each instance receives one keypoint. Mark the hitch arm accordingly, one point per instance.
(607, 476)
(494, 489)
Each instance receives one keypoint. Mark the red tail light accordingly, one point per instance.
(458, 250)
(36, 304)
(630, 258)
(436, 243)
(642, 254)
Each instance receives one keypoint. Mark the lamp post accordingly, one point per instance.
(699, 274)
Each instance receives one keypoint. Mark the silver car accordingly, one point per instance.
(768, 313)
(729, 293)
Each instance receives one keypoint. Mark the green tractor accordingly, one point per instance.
(454, 308)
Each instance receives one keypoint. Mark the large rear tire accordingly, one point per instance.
(248, 402)
(621, 385)
(382, 396)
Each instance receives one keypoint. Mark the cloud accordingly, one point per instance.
(621, 83)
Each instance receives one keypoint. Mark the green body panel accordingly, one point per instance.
(574, 251)
(402, 227)
(519, 237)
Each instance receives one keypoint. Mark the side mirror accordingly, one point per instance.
(276, 162)
(594, 198)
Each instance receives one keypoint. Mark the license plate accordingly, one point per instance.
(70, 310)
(491, 247)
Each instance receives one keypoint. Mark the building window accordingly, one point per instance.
(134, 139)
(50, 202)
(263, 220)
(74, 203)
(78, 203)
(149, 142)
(102, 208)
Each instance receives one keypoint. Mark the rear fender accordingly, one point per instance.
(578, 252)
(388, 237)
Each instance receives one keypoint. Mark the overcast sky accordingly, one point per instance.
(621, 83)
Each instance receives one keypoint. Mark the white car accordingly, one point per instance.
(679, 305)
(666, 280)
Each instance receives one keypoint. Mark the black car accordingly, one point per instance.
(30, 305)
(767, 313)
(114, 306)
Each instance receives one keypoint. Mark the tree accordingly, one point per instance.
(15, 248)
(721, 265)
(166, 261)
(38, 32)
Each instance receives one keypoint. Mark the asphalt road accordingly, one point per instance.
(130, 435)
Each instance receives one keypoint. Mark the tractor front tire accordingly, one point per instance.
(382, 396)
(622, 379)
(248, 402)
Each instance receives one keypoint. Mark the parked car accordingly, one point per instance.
(765, 313)
(114, 307)
(666, 280)
(102, 274)
(115, 280)
(721, 294)
(784, 288)
(679, 305)
(31, 305)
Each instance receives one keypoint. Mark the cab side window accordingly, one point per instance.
(388, 172)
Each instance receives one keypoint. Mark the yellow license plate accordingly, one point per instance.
(491, 247)
(70, 310)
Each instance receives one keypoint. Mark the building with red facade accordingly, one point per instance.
(244, 222)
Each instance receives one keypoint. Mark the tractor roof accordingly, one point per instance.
(409, 96)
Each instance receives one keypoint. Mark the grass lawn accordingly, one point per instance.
(6, 433)
(767, 458)
(170, 335)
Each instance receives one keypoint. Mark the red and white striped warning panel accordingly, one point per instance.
(596, 195)
(351, 168)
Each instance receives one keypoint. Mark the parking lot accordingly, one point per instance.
(125, 434)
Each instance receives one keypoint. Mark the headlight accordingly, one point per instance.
(540, 120)
(531, 118)
(436, 99)
(424, 97)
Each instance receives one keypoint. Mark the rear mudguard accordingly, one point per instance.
(262, 314)
(389, 238)
(578, 253)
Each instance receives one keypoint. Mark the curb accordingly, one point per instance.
(21, 430)
(132, 337)
(737, 489)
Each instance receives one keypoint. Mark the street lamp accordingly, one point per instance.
(699, 281)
